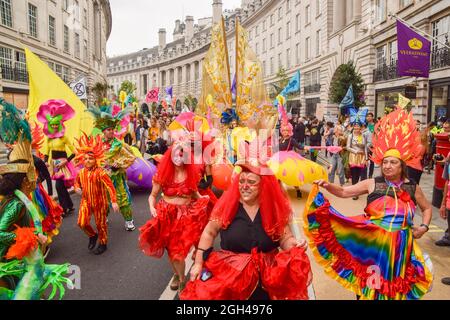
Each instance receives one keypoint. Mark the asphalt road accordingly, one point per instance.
(123, 271)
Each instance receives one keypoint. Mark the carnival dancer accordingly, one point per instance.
(253, 227)
(96, 190)
(180, 216)
(52, 114)
(119, 158)
(382, 241)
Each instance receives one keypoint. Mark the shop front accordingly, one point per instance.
(386, 100)
(439, 100)
(17, 97)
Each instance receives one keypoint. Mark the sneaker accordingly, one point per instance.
(446, 281)
(444, 242)
(175, 283)
(92, 242)
(129, 225)
(100, 249)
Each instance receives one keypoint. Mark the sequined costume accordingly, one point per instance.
(96, 187)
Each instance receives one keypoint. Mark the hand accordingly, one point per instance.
(153, 212)
(302, 244)
(418, 232)
(42, 239)
(196, 271)
(115, 207)
(322, 183)
(443, 212)
(62, 164)
(79, 191)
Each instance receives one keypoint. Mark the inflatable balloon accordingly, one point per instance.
(222, 174)
(294, 170)
(141, 173)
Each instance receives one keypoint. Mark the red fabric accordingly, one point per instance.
(212, 199)
(176, 229)
(54, 212)
(283, 275)
(177, 189)
(275, 209)
(344, 260)
(166, 170)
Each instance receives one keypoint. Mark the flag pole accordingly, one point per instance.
(394, 16)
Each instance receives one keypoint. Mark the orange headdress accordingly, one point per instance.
(396, 136)
(90, 145)
(37, 135)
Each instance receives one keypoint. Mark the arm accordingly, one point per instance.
(443, 208)
(43, 172)
(426, 209)
(106, 180)
(8, 219)
(152, 198)
(349, 144)
(206, 242)
(288, 241)
(77, 185)
(356, 190)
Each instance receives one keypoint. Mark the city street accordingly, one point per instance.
(123, 272)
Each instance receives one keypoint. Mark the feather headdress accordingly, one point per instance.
(105, 118)
(93, 146)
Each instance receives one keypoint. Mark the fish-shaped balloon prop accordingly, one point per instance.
(141, 171)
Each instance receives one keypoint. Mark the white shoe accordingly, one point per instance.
(129, 225)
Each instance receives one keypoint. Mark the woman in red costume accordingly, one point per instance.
(179, 217)
(253, 227)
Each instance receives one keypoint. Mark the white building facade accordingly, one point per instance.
(313, 36)
(69, 35)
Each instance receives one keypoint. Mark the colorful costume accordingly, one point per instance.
(374, 255)
(96, 187)
(250, 264)
(119, 157)
(177, 228)
(23, 273)
(56, 112)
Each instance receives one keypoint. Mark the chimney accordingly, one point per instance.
(177, 31)
(189, 28)
(162, 38)
(217, 11)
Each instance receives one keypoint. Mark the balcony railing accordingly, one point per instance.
(386, 72)
(315, 88)
(440, 58)
(14, 74)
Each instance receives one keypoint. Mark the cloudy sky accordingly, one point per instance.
(136, 22)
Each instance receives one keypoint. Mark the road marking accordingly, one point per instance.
(168, 293)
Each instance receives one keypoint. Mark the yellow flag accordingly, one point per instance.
(46, 85)
(403, 101)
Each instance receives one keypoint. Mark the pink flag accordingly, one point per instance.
(152, 95)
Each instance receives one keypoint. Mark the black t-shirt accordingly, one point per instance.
(243, 235)
(299, 132)
(289, 145)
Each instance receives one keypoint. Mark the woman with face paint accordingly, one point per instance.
(376, 255)
(260, 259)
(180, 216)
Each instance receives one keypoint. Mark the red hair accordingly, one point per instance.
(166, 171)
(275, 209)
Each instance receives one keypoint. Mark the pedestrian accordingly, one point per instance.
(369, 135)
(445, 205)
(358, 156)
(415, 168)
(384, 238)
(179, 217)
(96, 190)
(52, 114)
(337, 164)
(315, 139)
(329, 136)
(300, 131)
(252, 228)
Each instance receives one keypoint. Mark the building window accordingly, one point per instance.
(288, 30)
(66, 74)
(307, 15)
(264, 68)
(264, 45)
(380, 11)
(280, 13)
(280, 32)
(381, 56)
(271, 66)
(288, 58)
(85, 18)
(257, 48)
(272, 40)
(297, 54)
(271, 20)
(77, 45)
(66, 4)
(393, 52)
(308, 48)
(318, 43)
(85, 49)
(405, 3)
(51, 31)
(441, 31)
(256, 31)
(5, 11)
(6, 63)
(264, 24)
(288, 6)
(280, 61)
(32, 20)
(318, 8)
(66, 39)
(58, 70)
(297, 23)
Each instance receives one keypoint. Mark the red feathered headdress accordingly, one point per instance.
(90, 145)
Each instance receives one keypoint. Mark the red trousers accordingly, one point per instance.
(100, 215)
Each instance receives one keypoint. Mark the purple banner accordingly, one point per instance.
(414, 53)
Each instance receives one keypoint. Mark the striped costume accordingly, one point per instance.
(96, 186)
